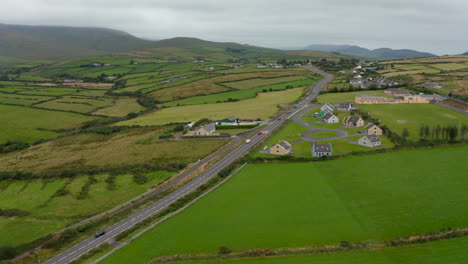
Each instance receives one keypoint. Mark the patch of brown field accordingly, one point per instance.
(461, 74)
(455, 104)
(444, 59)
(418, 78)
(135, 146)
(463, 84)
(209, 86)
(120, 108)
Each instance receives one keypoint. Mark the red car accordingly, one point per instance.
(259, 133)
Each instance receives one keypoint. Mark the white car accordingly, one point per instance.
(247, 141)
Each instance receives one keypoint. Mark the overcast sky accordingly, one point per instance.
(434, 26)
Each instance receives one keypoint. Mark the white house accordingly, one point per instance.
(330, 118)
(320, 150)
(327, 108)
(370, 141)
(346, 107)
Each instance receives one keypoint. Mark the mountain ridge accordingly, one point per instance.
(376, 54)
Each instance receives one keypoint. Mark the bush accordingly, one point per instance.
(7, 252)
(140, 178)
(224, 250)
(13, 212)
(11, 146)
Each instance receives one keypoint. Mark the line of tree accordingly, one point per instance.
(449, 133)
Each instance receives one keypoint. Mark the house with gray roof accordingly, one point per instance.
(346, 107)
(205, 130)
(370, 141)
(230, 121)
(320, 150)
(372, 129)
(353, 121)
(327, 108)
(330, 118)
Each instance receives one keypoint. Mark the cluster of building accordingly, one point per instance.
(327, 110)
(433, 85)
(400, 97)
(367, 83)
(210, 128)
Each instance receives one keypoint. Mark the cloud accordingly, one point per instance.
(427, 25)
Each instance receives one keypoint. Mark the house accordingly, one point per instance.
(321, 114)
(346, 107)
(230, 121)
(206, 130)
(320, 150)
(282, 148)
(370, 141)
(421, 98)
(432, 85)
(209, 68)
(327, 108)
(353, 121)
(261, 66)
(372, 129)
(330, 118)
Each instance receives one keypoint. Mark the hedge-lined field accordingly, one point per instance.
(263, 106)
(447, 251)
(49, 212)
(413, 116)
(368, 198)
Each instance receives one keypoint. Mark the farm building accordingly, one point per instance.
(330, 118)
(282, 148)
(230, 121)
(396, 92)
(372, 129)
(353, 121)
(432, 85)
(420, 98)
(320, 150)
(189, 126)
(346, 107)
(327, 108)
(374, 99)
(370, 141)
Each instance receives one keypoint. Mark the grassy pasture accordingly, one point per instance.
(256, 82)
(50, 213)
(239, 94)
(22, 123)
(18, 99)
(413, 116)
(208, 86)
(265, 105)
(120, 108)
(318, 203)
(323, 134)
(445, 251)
(77, 103)
(133, 146)
(450, 66)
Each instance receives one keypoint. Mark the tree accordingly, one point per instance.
(224, 250)
(405, 134)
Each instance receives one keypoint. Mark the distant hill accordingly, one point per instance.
(466, 53)
(54, 42)
(376, 54)
(19, 43)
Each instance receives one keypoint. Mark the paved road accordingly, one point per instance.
(158, 206)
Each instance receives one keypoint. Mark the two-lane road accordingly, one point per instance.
(85, 246)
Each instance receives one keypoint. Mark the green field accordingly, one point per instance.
(265, 105)
(451, 251)
(50, 213)
(360, 198)
(413, 116)
(21, 123)
(323, 134)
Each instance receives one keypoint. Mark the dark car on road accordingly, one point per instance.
(99, 234)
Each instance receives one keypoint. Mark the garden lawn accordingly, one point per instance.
(265, 105)
(451, 251)
(323, 134)
(360, 198)
(22, 123)
(413, 116)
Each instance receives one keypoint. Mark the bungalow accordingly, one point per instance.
(320, 150)
(327, 108)
(209, 68)
(230, 121)
(370, 141)
(346, 107)
(432, 85)
(330, 118)
(206, 130)
(282, 148)
(372, 129)
(353, 121)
